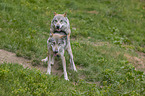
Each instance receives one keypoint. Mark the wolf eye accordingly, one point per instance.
(55, 20)
(59, 43)
(65, 22)
(61, 21)
(53, 43)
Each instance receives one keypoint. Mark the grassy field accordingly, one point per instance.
(104, 33)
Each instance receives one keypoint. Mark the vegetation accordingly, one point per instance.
(102, 32)
(16, 80)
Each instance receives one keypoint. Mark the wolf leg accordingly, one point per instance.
(64, 67)
(52, 60)
(49, 65)
(45, 60)
(71, 57)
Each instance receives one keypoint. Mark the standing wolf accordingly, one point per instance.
(58, 42)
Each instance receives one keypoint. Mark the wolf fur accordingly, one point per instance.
(60, 24)
(57, 44)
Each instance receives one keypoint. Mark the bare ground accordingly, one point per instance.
(139, 62)
(10, 57)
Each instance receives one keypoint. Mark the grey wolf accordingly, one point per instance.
(58, 42)
(60, 24)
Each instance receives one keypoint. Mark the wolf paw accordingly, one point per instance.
(44, 60)
(66, 79)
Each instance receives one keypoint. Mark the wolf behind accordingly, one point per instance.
(60, 24)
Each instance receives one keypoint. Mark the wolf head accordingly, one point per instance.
(58, 43)
(60, 22)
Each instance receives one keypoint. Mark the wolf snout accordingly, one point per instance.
(56, 51)
(57, 26)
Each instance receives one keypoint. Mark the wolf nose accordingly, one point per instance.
(56, 51)
(57, 26)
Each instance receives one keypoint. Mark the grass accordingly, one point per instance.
(36, 83)
(102, 32)
(31, 82)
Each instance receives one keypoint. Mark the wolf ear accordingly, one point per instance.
(55, 13)
(51, 33)
(64, 14)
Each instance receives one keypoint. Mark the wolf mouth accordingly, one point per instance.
(61, 31)
(58, 29)
(56, 54)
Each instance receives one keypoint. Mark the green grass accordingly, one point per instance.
(31, 83)
(103, 27)
(26, 82)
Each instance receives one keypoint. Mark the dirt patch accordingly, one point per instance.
(10, 57)
(139, 62)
